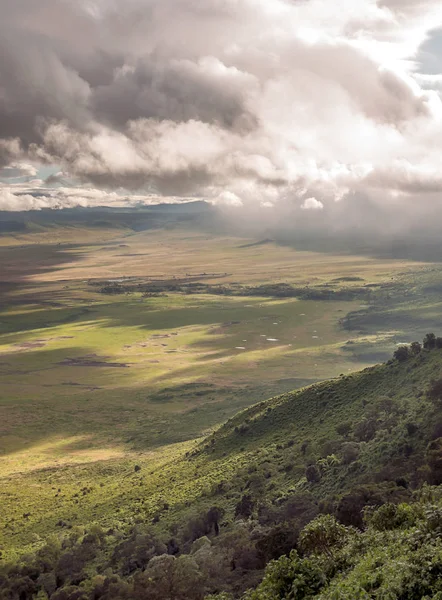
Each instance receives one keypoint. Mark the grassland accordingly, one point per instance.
(92, 384)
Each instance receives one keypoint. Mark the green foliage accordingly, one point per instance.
(365, 430)
(290, 578)
(244, 508)
(402, 353)
(434, 459)
(312, 474)
(323, 536)
(415, 348)
(435, 390)
(344, 428)
(390, 516)
(429, 341)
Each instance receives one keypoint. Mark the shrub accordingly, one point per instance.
(345, 428)
(415, 348)
(350, 452)
(434, 460)
(390, 516)
(402, 353)
(280, 540)
(350, 507)
(411, 428)
(312, 474)
(244, 508)
(323, 536)
(289, 577)
(365, 430)
(429, 341)
(434, 392)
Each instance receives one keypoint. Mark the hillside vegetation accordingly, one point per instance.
(328, 492)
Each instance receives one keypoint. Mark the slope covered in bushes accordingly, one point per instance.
(337, 483)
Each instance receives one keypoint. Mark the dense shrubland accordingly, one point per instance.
(331, 291)
(331, 492)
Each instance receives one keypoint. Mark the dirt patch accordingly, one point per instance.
(41, 343)
(82, 385)
(91, 361)
(31, 345)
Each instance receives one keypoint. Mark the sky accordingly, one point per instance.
(309, 108)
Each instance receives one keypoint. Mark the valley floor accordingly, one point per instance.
(96, 381)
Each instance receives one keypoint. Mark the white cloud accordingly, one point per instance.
(227, 198)
(245, 102)
(312, 204)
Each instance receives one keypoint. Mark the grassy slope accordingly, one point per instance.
(265, 459)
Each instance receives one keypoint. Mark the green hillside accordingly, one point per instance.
(208, 518)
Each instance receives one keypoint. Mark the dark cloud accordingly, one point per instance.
(260, 102)
(177, 89)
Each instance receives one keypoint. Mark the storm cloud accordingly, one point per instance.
(263, 103)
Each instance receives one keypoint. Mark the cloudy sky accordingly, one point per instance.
(257, 103)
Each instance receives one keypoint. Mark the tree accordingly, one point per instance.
(244, 508)
(312, 474)
(289, 577)
(323, 536)
(213, 517)
(280, 540)
(350, 452)
(390, 516)
(169, 578)
(365, 430)
(350, 507)
(344, 428)
(429, 341)
(434, 460)
(435, 390)
(415, 348)
(402, 353)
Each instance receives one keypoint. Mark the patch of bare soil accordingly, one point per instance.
(40, 343)
(30, 345)
(91, 360)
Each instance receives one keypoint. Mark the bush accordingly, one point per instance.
(390, 516)
(323, 536)
(415, 348)
(365, 430)
(434, 460)
(411, 428)
(280, 540)
(429, 341)
(434, 392)
(350, 507)
(289, 577)
(312, 474)
(350, 452)
(345, 428)
(402, 353)
(244, 508)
